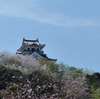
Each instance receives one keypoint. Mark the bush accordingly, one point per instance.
(93, 80)
(40, 85)
(96, 93)
(19, 62)
(44, 80)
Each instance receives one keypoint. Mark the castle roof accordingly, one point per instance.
(44, 56)
(26, 43)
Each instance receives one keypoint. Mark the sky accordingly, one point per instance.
(69, 28)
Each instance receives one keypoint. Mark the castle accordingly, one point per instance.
(34, 48)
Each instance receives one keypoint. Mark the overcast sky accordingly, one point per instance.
(69, 28)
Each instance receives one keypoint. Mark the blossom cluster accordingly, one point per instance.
(39, 83)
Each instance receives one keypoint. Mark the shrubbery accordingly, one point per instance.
(23, 77)
(19, 62)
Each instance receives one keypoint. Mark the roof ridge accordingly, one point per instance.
(30, 40)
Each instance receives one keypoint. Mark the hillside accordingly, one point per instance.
(23, 77)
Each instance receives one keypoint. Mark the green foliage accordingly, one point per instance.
(96, 93)
(6, 75)
(13, 72)
(93, 80)
(50, 66)
(53, 81)
(62, 69)
(13, 88)
(45, 78)
(1, 65)
(72, 71)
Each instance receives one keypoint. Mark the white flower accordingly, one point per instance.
(13, 76)
(38, 86)
(30, 90)
(21, 77)
(20, 83)
(29, 96)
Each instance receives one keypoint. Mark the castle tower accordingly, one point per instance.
(34, 48)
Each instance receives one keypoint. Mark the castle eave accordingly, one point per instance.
(21, 48)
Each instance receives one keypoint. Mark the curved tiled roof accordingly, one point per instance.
(30, 43)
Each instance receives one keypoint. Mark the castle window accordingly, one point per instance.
(28, 49)
(37, 49)
(33, 49)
